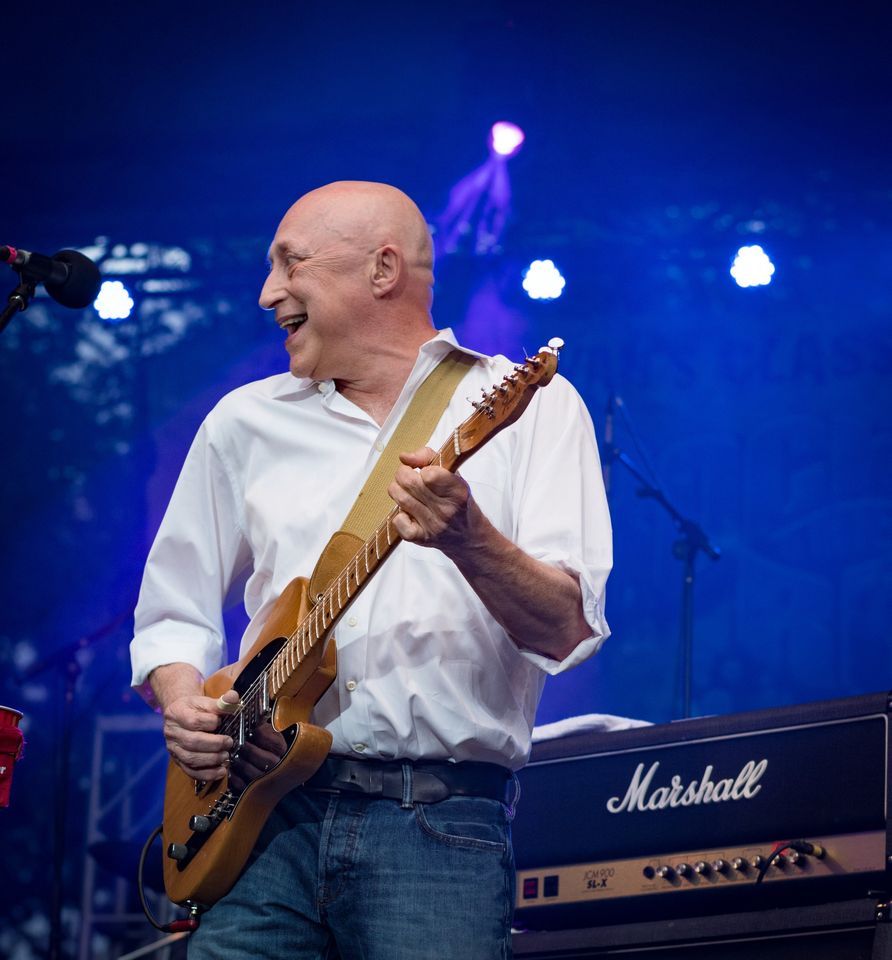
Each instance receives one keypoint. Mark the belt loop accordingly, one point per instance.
(407, 803)
(512, 803)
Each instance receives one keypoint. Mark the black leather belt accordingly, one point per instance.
(425, 781)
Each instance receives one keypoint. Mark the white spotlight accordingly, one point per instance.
(543, 281)
(752, 267)
(114, 301)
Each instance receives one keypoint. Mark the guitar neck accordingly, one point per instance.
(329, 606)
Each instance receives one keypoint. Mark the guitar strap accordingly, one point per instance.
(373, 502)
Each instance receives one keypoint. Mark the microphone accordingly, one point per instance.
(70, 278)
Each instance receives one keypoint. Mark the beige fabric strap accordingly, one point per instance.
(373, 503)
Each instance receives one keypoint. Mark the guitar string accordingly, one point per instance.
(232, 723)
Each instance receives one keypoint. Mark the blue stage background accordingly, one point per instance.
(660, 138)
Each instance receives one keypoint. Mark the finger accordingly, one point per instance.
(199, 742)
(445, 485)
(192, 720)
(418, 458)
(433, 485)
(181, 718)
(410, 530)
(416, 509)
(413, 483)
(228, 703)
(198, 759)
(201, 766)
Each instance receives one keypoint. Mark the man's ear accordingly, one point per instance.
(387, 270)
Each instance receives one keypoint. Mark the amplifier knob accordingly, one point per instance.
(740, 864)
(793, 857)
(665, 873)
(683, 870)
(756, 862)
(720, 866)
(703, 868)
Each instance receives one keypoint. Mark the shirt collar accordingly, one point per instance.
(434, 349)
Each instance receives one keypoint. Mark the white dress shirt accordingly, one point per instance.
(424, 671)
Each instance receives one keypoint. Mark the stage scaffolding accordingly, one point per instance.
(126, 791)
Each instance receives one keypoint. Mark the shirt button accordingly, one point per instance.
(352, 622)
(379, 446)
(351, 685)
(359, 747)
(320, 387)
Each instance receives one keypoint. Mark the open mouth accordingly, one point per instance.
(292, 323)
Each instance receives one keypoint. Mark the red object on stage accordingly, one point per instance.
(11, 742)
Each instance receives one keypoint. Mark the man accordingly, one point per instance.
(441, 659)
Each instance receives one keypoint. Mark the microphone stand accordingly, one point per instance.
(16, 302)
(692, 541)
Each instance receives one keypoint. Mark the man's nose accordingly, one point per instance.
(270, 292)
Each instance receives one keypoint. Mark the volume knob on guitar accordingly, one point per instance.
(178, 852)
(200, 824)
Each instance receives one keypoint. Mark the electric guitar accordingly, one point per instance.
(209, 829)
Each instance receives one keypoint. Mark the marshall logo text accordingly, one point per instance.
(639, 795)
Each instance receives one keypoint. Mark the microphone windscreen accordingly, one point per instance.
(81, 286)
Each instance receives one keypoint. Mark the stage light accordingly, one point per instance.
(114, 301)
(506, 138)
(752, 267)
(543, 281)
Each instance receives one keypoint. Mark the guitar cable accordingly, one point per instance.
(189, 924)
(805, 847)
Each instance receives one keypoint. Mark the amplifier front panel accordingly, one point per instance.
(821, 779)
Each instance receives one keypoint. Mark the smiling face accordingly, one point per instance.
(351, 268)
(316, 286)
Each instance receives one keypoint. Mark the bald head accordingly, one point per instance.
(368, 216)
(351, 276)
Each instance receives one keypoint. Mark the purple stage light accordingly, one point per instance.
(506, 138)
(480, 202)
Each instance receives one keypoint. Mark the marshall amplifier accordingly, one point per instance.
(682, 819)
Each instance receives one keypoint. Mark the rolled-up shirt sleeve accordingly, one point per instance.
(199, 550)
(562, 517)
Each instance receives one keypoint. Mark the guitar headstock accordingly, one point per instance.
(506, 401)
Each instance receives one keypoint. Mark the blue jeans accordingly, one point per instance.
(363, 878)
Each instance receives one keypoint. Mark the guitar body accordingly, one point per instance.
(215, 857)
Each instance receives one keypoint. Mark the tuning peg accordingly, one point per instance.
(555, 345)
